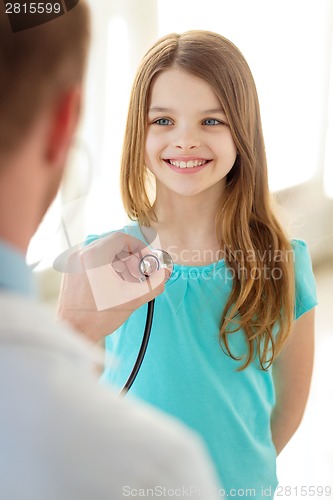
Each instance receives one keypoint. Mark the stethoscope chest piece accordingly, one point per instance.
(157, 259)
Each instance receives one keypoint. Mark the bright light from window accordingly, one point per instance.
(328, 168)
(106, 187)
(42, 249)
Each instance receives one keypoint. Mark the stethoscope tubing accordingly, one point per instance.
(146, 266)
(145, 339)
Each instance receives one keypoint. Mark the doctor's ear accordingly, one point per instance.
(64, 117)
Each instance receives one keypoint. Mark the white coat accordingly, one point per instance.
(63, 436)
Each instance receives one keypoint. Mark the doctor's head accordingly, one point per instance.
(41, 72)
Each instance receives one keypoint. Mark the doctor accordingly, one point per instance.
(63, 436)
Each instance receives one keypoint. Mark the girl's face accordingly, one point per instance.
(189, 147)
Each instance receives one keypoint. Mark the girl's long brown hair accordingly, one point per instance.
(255, 246)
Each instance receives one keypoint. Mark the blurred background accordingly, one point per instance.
(289, 47)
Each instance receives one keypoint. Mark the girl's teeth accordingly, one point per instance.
(189, 164)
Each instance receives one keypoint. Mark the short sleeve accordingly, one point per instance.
(91, 238)
(132, 229)
(94, 237)
(305, 284)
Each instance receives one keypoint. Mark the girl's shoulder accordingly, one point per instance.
(94, 237)
(146, 235)
(131, 228)
(301, 257)
(299, 244)
(305, 284)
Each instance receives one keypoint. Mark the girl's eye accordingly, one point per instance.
(212, 121)
(163, 121)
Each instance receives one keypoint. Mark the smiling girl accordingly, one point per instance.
(231, 348)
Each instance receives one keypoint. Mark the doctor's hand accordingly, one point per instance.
(102, 284)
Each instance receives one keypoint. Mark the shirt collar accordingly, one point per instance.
(15, 274)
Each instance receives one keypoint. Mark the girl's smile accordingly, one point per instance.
(187, 134)
(186, 164)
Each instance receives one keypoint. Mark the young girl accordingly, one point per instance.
(231, 347)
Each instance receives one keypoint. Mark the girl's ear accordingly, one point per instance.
(63, 120)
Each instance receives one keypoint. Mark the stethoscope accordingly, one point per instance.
(157, 259)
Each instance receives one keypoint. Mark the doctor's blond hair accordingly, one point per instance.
(255, 246)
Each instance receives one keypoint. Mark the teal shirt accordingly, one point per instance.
(186, 373)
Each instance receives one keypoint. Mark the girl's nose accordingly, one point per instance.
(186, 140)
